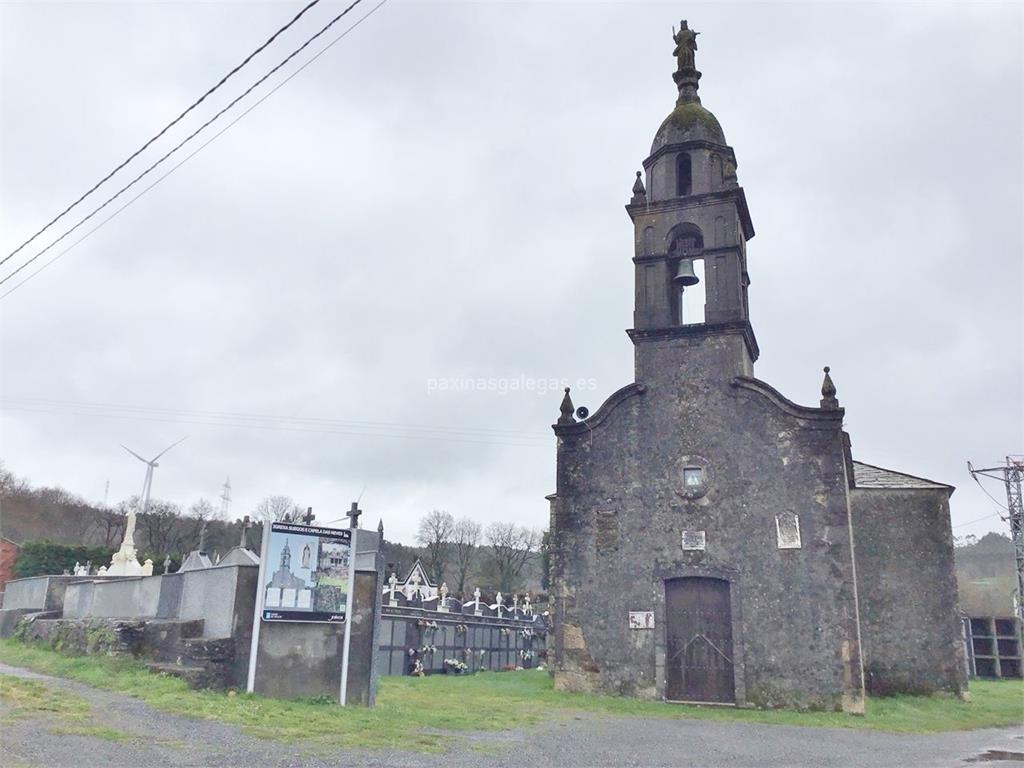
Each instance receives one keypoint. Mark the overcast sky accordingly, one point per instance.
(440, 197)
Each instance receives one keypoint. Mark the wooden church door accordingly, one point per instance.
(698, 621)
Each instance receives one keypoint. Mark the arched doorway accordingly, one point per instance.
(699, 655)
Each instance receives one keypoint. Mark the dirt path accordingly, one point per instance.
(143, 736)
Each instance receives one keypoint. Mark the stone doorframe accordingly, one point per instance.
(729, 575)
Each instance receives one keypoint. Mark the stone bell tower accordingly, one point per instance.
(702, 527)
(691, 227)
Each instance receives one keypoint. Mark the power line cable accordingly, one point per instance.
(196, 151)
(163, 130)
(188, 138)
(985, 491)
(971, 522)
(471, 439)
(35, 402)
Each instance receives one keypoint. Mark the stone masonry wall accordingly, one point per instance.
(621, 509)
(910, 625)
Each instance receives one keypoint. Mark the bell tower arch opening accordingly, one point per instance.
(686, 250)
(684, 175)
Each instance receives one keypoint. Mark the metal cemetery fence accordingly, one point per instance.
(992, 646)
(413, 637)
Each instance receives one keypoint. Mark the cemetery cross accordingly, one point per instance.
(353, 515)
(392, 583)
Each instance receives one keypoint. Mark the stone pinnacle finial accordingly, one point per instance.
(639, 191)
(380, 528)
(567, 410)
(828, 392)
(686, 74)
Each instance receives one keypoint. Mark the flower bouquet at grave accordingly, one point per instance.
(455, 667)
(424, 624)
(461, 629)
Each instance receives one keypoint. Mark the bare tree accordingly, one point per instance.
(435, 533)
(203, 509)
(109, 524)
(201, 512)
(159, 525)
(11, 484)
(276, 508)
(511, 548)
(465, 540)
(77, 516)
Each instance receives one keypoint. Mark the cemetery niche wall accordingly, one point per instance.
(191, 624)
(711, 540)
(426, 630)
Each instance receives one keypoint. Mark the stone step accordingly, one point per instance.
(206, 650)
(196, 677)
(163, 638)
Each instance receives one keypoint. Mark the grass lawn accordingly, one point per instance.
(411, 712)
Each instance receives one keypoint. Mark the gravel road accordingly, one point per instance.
(159, 740)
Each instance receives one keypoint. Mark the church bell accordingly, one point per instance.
(685, 276)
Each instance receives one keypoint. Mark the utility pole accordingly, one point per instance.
(1012, 476)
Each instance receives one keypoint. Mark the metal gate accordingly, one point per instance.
(698, 620)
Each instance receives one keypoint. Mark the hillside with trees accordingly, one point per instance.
(986, 575)
(50, 514)
(461, 552)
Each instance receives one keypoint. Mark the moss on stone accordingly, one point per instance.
(100, 638)
(691, 114)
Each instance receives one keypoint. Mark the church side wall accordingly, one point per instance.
(910, 624)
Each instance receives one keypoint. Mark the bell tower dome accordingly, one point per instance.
(691, 228)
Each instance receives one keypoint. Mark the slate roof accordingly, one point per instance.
(868, 476)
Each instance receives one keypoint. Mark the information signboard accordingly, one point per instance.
(308, 574)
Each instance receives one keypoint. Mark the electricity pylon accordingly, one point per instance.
(1012, 476)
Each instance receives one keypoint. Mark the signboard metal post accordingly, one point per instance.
(258, 609)
(347, 642)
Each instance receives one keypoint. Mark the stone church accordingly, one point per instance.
(713, 541)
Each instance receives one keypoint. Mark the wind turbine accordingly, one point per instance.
(125, 562)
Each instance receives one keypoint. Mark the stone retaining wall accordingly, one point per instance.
(175, 647)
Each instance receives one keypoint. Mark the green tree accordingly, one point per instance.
(44, 558)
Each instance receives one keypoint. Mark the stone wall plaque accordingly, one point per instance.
(787, 530)
(607, 533)
(694, 541)
(641, 619)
